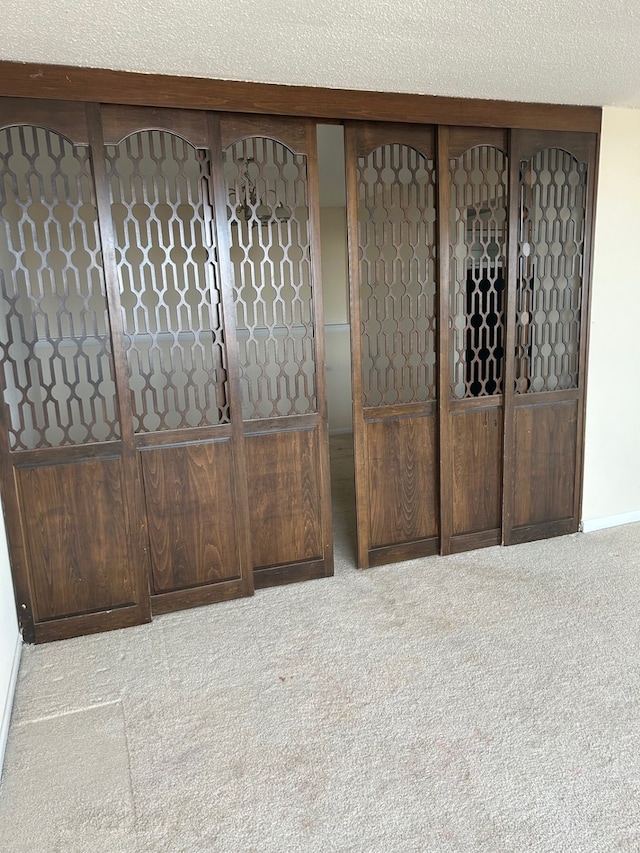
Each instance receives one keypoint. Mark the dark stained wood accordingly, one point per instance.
(291, 133)
(402, 468)
(183, 599)
(34, 80)
(269, 576)
(545, 460)
(508, 472)
(471, 192)
(355, 327)
(119, 121)
(461, 139)
(238, 487)
(275, 278)
(392, 272)
(284, 498)
(78, 548)
(472, 541)
(446, 449)
(89, 623)
(371, 135)
(132, 483)
(406, 551)
(544, 415)
(192, 532)
(67, 118)
(476, 440)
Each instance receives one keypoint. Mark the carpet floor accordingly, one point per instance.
(487, 701)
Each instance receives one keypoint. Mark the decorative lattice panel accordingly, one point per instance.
(271, 259)
(162, 216)
(54, 330)
(478, 263)
(396, 214)
(551, 257)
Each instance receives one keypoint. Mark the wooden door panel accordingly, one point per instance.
(553, 186)
(182, 402)
(391, 200)
(77, 545)
(192, 529)
(284, 499)
(402, 479)
(477, 474)
(273, 220)
(473, 271)
(545, 459)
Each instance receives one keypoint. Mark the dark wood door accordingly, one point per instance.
(71, 487)
(552, 180)
(272, 206)
(161, 172)
(473, 192)
(391, 199)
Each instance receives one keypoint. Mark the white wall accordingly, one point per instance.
(612, 451)
(10, 642)
(333, 228)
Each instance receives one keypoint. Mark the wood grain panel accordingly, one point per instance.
(188, 495)
(477, 470)
(67, 118)
(403, 480)
(545, 459)
(119, 121)
(293, 134)
(74, 521)
(36, 80)
(284, 497)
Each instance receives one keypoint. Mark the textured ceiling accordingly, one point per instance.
(576, 52)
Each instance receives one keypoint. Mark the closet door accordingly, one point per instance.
(182, 405)
(391, 199)
(272, 207)
(473, 263)
(70, 489)
(552, 177)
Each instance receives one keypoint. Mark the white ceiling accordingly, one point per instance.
(575, 51)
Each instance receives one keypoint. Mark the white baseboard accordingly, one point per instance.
(8, 703)
(610, 521)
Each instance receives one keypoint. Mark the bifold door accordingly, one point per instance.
(553, 180)
(468, 281)
(391, 198)
(272, 190)
(473, 191)
(132, 247)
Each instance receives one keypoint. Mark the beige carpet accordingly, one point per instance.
(487, 701)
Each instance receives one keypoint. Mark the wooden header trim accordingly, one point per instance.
(69, 83)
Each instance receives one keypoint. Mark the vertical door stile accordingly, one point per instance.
(222, 240)
(320, 358)
(355, 322)
(133, 488)
(446, 450)
(590, 211)
(508, 468)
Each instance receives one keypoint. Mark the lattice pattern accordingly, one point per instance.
(551, 257)
(54, 330)
(396, 186)
(271, 257)
(478, 261)
(168, 279)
